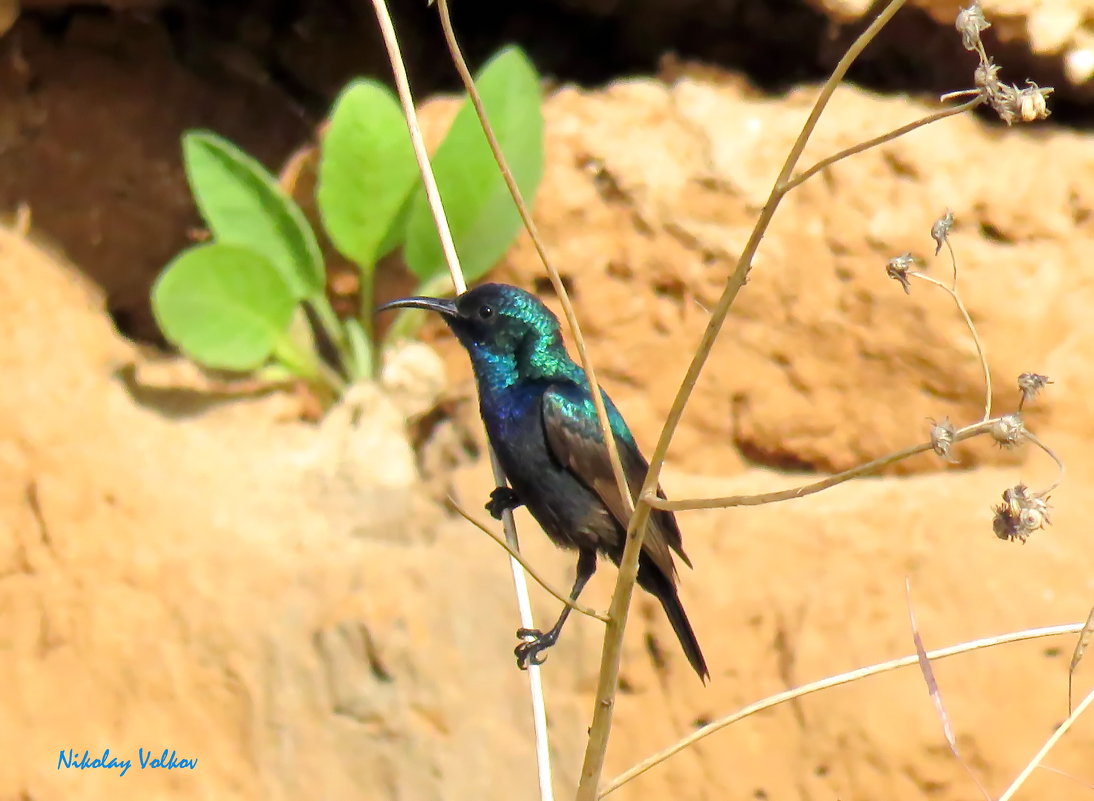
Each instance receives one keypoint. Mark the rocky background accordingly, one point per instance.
(187, 565)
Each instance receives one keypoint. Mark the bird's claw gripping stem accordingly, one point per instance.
(501, 498)
(530, 652)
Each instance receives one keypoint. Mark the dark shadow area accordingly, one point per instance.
(181, 403)
(94, 101)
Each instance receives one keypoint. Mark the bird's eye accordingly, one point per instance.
(485, 312)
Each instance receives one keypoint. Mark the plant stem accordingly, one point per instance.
(366, 300)
(972, 329)
(728, 501)
(824, 684)
(878, 140)
(558, 594)
(429, 183)
(307, 364)
(1049, 743)
(332, 331)
(600, 730)
(529, 224)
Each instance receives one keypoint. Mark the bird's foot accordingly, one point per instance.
(501, 498)
(530, 652)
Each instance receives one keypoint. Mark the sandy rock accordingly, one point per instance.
(824, 361)
(276, 600)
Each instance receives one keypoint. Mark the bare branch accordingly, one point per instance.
(972, 329)
(816, 486)
(896, 133)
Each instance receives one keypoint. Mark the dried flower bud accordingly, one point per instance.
(1004, 99)
(898, 268)
(1009, 102)
(987, 77)
(1033, 102)
(1030, 384)
(941, 230)
(970, 23)
(1020, 514)
(942, 438)
(1008, 430)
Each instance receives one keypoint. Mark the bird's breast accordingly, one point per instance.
(568, 511)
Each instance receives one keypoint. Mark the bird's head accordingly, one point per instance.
(499, 323)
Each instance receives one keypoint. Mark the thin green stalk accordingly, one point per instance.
(307, 364)
(366, 301)
(331, 325)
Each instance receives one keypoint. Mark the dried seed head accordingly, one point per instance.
(941, 230)
(898, 268)
(970, 23)
(1020, 514)
(1008, 430)
(987, 77)
(1009, 102)
(1030, 384)
(1033, 102)
(942, 438)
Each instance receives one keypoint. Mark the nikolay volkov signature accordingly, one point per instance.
(167, 760)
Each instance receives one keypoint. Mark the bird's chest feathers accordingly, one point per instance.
(512, 413)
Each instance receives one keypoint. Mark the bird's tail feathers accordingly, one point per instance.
(654, 582)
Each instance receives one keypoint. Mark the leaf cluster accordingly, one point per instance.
(254, 297)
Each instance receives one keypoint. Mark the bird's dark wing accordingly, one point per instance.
(574, 437)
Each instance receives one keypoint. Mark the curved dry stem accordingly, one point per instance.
(824, 684)
(628, 566)
(600, 730)
(972, 328)
(531, 571)
(533, 232)
(800, 179)
(433, 195)
(953, 261)
(814, 487)
(1052, 454)
(1049, 743)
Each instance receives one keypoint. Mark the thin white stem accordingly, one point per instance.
(824, 684)
(1049, 743)
(533, 232)
(520, 583)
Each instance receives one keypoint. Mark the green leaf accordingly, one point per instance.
(224, 306)
(480, 212)
(366, 172)
(243, 205)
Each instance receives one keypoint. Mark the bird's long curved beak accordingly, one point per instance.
(443, 306)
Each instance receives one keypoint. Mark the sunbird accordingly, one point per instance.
(540, 419)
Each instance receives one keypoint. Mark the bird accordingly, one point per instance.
(537, 407)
